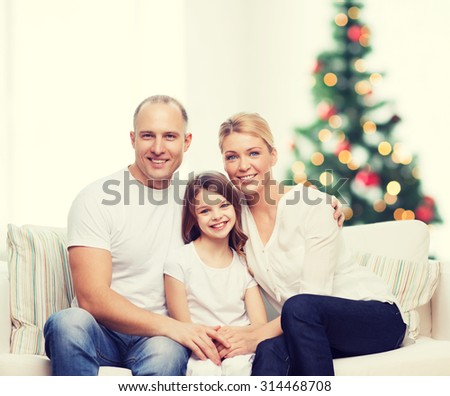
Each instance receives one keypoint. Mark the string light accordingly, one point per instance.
(375, 78)
(317, 158)
(326, 178)
(384, 148)
(353, 12)
(390, 199)
(353, 165)
(365, 37)
(363, 87)
(330, 79)
(398, 213)
(379, 205)
(345, 156)
(393, 187)
(335, 121)
(408, 215)
(416, 173)
(298, 167)
(300, 177)
(369, 127)
(341, 19)
(324, 135)
(360, 65)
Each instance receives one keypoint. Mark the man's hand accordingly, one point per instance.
(338, 214)
(199, 339)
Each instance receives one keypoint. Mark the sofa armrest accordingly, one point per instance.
(440, 305)
(5, 317)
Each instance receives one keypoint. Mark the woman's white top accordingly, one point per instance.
(215, 296)
(306, 253)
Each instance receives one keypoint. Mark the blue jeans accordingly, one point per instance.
(78, 345)
(317, 329)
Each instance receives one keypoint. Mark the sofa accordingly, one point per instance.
(35, 281)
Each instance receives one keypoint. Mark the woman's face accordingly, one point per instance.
(247, 161)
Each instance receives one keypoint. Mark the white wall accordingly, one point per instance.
(74, 70)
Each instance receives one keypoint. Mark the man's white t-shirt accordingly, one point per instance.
(138, 225)
(215, 296)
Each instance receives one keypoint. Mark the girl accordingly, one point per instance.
(330, 307)
(207, 281)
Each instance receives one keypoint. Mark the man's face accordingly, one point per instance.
(159, 142)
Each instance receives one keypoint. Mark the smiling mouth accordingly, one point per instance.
(157, 161)
(247, 177)
(220, 225)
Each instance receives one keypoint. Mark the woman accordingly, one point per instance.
(330, 306)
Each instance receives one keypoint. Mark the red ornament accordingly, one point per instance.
(317, 67)
(344, 145)
(428, 201)
(424, 213)
(354, 32)
(325, 111)
(368, 178)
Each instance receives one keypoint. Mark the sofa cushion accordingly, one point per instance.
(412, 283)
(40, 282)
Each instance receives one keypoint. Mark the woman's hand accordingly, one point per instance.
(242, 340)
(338, 214)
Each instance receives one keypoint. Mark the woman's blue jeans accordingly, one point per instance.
(78, 345)
(317, 329)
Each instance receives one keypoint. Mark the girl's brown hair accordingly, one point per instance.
(218, 183)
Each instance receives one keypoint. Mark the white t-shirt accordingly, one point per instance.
(215, 295)
(138, 225)
(306, 253)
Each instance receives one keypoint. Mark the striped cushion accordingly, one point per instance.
(40, 282)
(412, 283)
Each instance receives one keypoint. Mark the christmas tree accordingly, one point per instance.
(350, 150)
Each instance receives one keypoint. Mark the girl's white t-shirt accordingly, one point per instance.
(215, 295)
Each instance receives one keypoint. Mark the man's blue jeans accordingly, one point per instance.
(78, 345)
(317, 329)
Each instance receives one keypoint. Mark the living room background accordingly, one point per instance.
(73, 71)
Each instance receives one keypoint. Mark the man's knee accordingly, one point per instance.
(162, 356)
(68, 320)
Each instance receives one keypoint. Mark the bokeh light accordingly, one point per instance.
(317, 158)
(341, 19)
(330, 79)
(393, 187)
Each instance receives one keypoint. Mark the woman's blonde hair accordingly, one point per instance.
(247, 123)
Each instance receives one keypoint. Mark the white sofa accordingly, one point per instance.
(406, 240)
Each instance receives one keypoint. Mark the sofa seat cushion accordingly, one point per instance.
(12, 364)
(426, 356)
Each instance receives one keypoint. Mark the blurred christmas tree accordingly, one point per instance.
(349, 151)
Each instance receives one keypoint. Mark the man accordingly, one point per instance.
(117, 249)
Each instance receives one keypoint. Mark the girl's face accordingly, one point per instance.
(215, 215)
(247, 161)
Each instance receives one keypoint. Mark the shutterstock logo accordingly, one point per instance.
(131, 192)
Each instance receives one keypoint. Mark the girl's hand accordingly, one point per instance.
(199, 339)
(242, 341)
